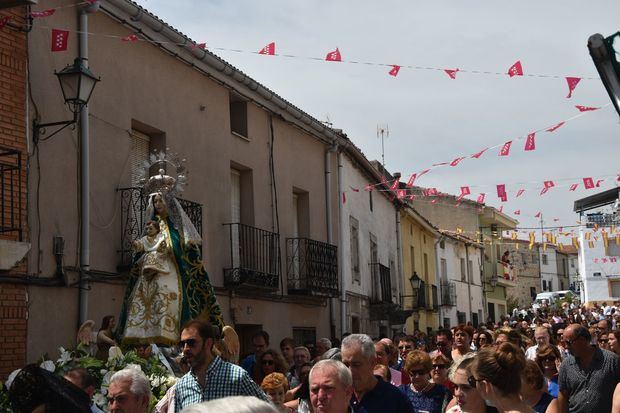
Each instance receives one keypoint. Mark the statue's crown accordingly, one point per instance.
(161, 182)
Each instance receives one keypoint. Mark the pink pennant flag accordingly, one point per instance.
(130, 38)
(501, 208)
(441, 163)
(411, 197)
(344, 198)
(269, 50)
(401, 193)
(501, 190)
(368, 187)
(516, 69)
(556, 127)
(465, 190)
(198, 46)
(537, 215)
(585, 108)
(505, 149)
(60, 40)
(424, 172)
(354, 189)
(573, 187)
(456, 161)
(480, 199)
(549, 184)
(477, 155)
(520, 192)
(334, 56)
(588, 183)
(517, 212)
(44, 13)
(394, 71)
(544, 191)
(384, 180)
(394, 185)
(451, 73)
(430, 192)
(572, 83)
(411, 180)
(530, 142)
(599, 182)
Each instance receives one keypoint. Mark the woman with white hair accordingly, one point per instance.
(234, 404)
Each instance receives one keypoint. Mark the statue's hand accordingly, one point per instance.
(162, 247)
(137, 246)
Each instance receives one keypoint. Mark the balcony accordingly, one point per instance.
(448, 294)
(312, 268)
(254, 258)
(506, 275)
(381, 303)
(432, 298)
(11, 194)
(133, 217)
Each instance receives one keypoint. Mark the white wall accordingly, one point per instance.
(549, 271)
(596, 287)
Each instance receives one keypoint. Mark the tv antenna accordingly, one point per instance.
(383, 131)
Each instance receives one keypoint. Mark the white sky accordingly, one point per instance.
(432, 118)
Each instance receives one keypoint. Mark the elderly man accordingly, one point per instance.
(322, 345)
(588, 377)
(129, 392)
(301, 356)
(80, 377)
(330, 387)
(210, 377)
(542, 337)
(382, 351)
(370, 393)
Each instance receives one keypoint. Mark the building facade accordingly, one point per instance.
(526, 269)
(549, 265)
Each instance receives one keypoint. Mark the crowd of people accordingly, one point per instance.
(545, 362)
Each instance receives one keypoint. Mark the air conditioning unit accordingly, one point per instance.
(6, 4)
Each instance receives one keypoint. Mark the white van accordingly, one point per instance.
(548, 297)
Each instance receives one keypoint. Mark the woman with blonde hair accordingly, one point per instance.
(422, 393)
(496, 373)
(275, 387)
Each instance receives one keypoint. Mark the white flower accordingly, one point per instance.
(11, 377)
(133, 366)
(171, 381)
(48, 365)
(65, 356)
(114, 353)
(99, 399)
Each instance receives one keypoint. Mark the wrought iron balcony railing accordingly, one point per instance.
(11, 194)
(254, 258)
(133, 217)
(381, 292)
(432, 302)
(312, 267)
(448, 293)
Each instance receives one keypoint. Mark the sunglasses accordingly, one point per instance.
(439, 366)
(405, 347)
(549, 359)
(414, 373)
(471, 380)
(190, 342)
(267, 362)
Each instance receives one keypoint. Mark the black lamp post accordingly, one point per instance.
(415, 281)
(77, 83)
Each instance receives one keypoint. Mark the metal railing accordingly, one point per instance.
(11, 194)
(133, 217)
(254, 258)
(419, 296)
(312, 267)
(448, 293)
(381, 290)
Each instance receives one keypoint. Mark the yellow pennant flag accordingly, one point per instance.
(618, 239)
(544, 246)
(517, 246)
(595, 227)
(514, 235)
(554, 240)
(587, 236)
(605, 240)
(532, 238)
(531, 245)
(459, 230)
(590, 244)
(561, 246)
(613, 229)
(576, 242)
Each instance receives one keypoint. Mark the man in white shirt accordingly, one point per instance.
(541, 335)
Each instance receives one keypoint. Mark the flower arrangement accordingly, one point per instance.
(160, 377)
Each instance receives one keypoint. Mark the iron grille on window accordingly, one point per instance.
(254, 258)
(448, 293)
(133, 217)
(11, 194)
(312, 267)
(381, 284)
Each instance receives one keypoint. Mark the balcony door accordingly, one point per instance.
(295, 245)
(235, 215)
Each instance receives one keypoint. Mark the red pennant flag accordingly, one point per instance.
(411, 180)
(516, 69)
(549, 184)
(130, 38)
(410, 197)
(517, 212)
(501, 208)
(456, 161)
(573, 187)
(480, 199)
(199, 46)
(60, 40)
(477, 155)
(334, 56)
(354, 189)
(599, 182)
(44, 13)
(383, 180)
(401, 193)
(501, 190)
(394, 71)
(430, 192)
(465, 190)
(588, 183)
(556, 127)
(537, 215)
(520, 192)
(269, 50)
(368, 187)
(423, 172)
(451, 73)
(394, 185)
(530, 142)
(344, 198)
(505, 149)
(4, 20)
(572, 83)
(544, 191)
(585, 108)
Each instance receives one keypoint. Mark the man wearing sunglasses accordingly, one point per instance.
(588, 377)
(210, 377)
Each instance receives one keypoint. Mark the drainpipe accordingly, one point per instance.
(399, 255)
(84, 173)
(469, 277)
(341, 235)
(329, 218)
(438, 276)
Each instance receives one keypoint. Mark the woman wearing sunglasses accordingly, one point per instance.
(439, 373)
(467, 399)
(270, 361)
(549, 360)
(423, 395)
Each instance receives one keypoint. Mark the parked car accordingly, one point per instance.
(547, 299)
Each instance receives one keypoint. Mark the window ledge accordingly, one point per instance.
(238, 135)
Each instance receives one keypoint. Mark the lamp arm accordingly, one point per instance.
(37, 127)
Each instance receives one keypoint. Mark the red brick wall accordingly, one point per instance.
(13, 298)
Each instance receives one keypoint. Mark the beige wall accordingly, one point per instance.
(140, 82)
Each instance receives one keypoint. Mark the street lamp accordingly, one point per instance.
(77, 83)
(604, 57)
(415, 281)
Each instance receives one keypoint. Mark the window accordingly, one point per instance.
(303, 335)
(242, 193)
(424, 238)
(470, 271)
(544, 285)
(614, 288)
(412, 255)
(444, 271)
(461, 316)
(139, 153)
(425, 267)
(572, 263)
(612, 250)
(533, 293)
(238, 116)
(463, 270)
(301, 213)
(442, 244)
(446, 322)
(355, 248)
(544, 259)
(550, 286)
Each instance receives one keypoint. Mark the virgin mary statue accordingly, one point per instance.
(158, 302)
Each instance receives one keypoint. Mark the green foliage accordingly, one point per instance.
(511, 303)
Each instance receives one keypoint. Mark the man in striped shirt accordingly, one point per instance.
(210, 377)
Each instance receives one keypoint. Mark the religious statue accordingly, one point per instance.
(168, 283)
